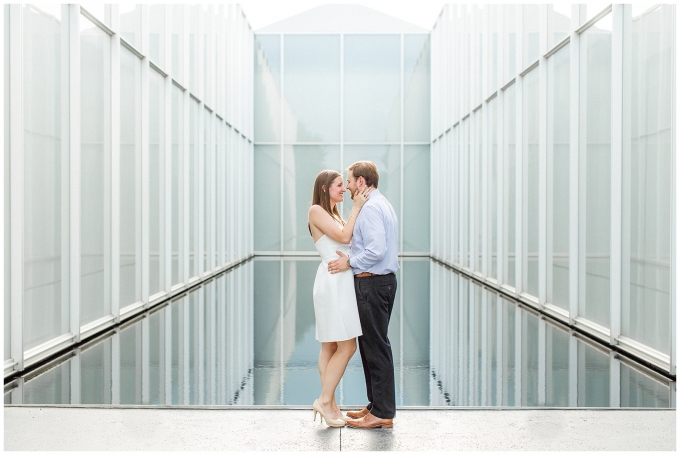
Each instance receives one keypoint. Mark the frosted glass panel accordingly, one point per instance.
(157, 33)
(312, 88)
(6, 189)
(46, 308)
(595, 184)
(177, 182)
(492, 176)
(509, 186)
(559, 183)
(530, 188)
(207, 184)
(416, 223)
(267, 198)
(130, 24)
(372, 88)
(559, 17)
(387, 159)
(647, 288)
(178, 58)
(130, 170)
(94, 162)
(193, 186)
(301, 164)
(530, 34)
(416, 88)
(267, 88)
(156, 190)
(509, 21)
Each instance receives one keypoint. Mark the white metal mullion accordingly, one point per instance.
(167, 257)
(500, 149)
(200, 149)
(74, 169)
(115, 339)
(519, 354)
(74, 362)
(401, 158)
(542, 159)
(574, 186)
(186, 140)
(145, 203)
(614, 362)
(16, 135)
(675, 197)
(542, 379)
(521, 209)
(108, 220)
(145, 359)
(3, 194)
(619, 148)
(281, 138)
(114, 224)
(65, 167)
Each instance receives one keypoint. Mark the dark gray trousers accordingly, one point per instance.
(375, 299)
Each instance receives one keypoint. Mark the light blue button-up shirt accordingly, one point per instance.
(375, 243)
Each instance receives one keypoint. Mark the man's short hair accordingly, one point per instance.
(366, 169)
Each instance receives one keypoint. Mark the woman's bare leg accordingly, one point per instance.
(327, 351)
(330, 378)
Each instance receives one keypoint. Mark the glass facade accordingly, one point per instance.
(324, 101)
(112, 182)
(576, 156)
(528, 151)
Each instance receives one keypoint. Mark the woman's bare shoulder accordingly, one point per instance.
(317, 210)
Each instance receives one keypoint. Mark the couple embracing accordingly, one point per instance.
(354, 291)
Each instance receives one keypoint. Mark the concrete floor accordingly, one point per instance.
(91, 428)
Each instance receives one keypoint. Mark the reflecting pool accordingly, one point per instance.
(246, 338)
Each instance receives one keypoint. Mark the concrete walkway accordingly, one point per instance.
(83, 428)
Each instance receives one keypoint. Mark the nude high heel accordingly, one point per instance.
(330, 422)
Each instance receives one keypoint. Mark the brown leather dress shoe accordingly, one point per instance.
(357, 414)
(370, 421)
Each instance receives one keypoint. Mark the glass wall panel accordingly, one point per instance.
(130, 340)
(46, 308)
(509, 186)
(195, 26)
(530, 359)
(130, 156)
(208, 196)
(478, 182)
(267, 197)
(648, 181)
(495, 31)
(557, 366)
(157, 33)
(311, 110)
(492, 178)
(193, 187)
(530, 34)
(95, 88)
(6, 188)
(301, 164)
(156, 190)
(177, 42)
(463, 200)
(593, 376)
(595, 173)
(131, 24)
(267, 88)
(416, 198)
(95, 374)
(416, 88)
(177, 207)
(559, 19)
(372, 88)
(558, 177)
(530, 185)
(641, 390)
(509, 21)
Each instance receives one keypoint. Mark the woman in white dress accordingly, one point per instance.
(335, 305)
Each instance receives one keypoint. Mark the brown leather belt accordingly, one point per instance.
(365, 274)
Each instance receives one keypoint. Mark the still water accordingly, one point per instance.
(246, 338)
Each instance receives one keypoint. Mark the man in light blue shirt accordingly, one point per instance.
(374, 261)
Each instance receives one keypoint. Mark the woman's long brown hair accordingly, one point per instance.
(321, 197)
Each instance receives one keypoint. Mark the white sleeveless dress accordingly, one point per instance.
(335, 304)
